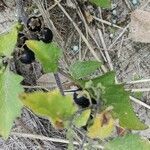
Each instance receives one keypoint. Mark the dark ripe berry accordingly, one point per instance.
(82, 101)
(46, 35)
(27, 57)
(34, 24)
(21, 39)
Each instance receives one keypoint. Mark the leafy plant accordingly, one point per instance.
(97, 119)
(115, 95)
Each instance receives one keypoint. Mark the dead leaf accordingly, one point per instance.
(140, 26)
(103, 126)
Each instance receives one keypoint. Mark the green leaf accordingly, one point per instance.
(47, 54)
(8, 41)
(102, 3)
(57, 108)
(82, 119)
(116, 96)
(106, 79)
(128, 142)
(10, 105)
(82, 69)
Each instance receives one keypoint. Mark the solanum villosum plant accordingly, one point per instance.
(100, 106)
(111, 100)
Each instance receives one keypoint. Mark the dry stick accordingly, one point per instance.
(105, 49)
(120, 35)
(128, 4)
(83, 37)
(51, 7)
(139, 102)
(106, 22)
(138, 81)
(132, 90)
(44, 138)
(50, 23)
(139, 90)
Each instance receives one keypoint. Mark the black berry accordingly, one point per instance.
(27, 57)
(82, 101)
(46, 35)
(34, 24)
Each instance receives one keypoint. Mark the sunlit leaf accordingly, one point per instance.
(116, 96)
(10, 105)
(8, 41)
(52, 105)
(82, 119)
(47, 53)
(102, 3)
(128, 142)
(102, 127)
(82, 69)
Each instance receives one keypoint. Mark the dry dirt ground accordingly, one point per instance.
(130, 60)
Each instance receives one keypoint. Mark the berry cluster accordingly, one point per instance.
(34, 25)
(82, 101)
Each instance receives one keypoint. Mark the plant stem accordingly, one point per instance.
(59, 84)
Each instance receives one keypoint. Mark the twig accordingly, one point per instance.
(139, 90)
(106, 22)
(120, 35)
(138, 81)
(44, 138)
(105, 49)
(139, 102)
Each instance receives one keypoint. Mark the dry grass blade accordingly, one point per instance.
(83, 37)
(44, 138)
(139, 102)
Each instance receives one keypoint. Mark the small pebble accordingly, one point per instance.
(135, 2)
(111, 35)
(75, 48)
(114, 12)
